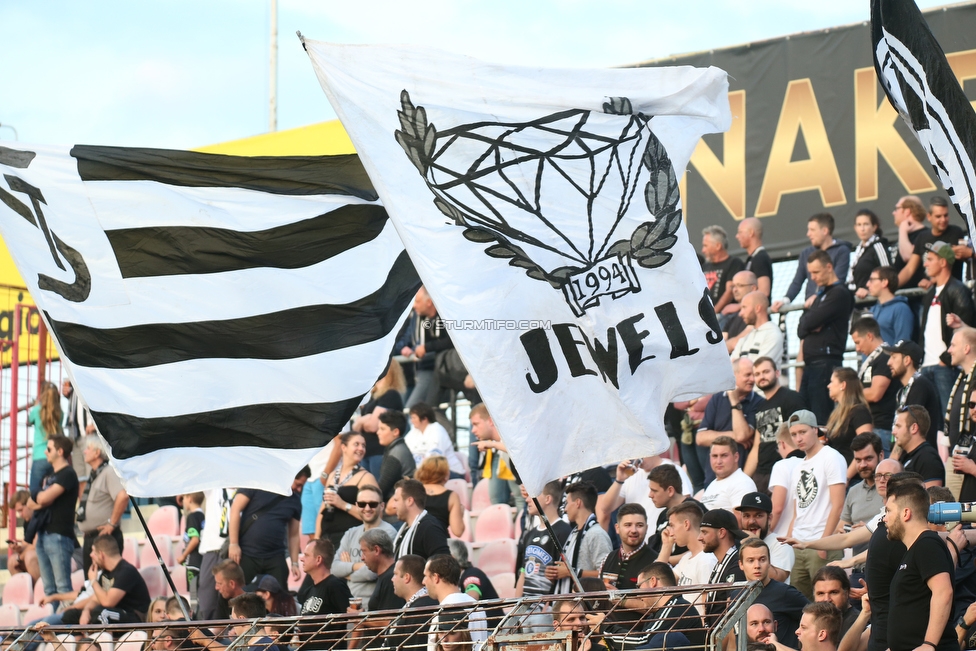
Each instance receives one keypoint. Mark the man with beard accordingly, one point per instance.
(921, 588)
(623, 565)
(760, 625)
(765, 338)
(729, 414)
(879, 388)
(862, 502)
(754, 515)
(719, 535)
(778, 405)
(917, 455)
(785, 601)
(904, 358)
(831, 584)
(958, 426)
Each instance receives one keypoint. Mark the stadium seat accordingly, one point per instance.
(35, 612)
(479, 497)
(78, 580)
(178, 572)
(9, 614)
(155, 581)
(38, 591)
(466, 534)
(147, 556)
(132, 641)
(467, 467)
(493, 523)
(460, 487)
(165, 521)
(105, 640)
(498, 557)
(130, 551)
(504, 585)
(19, 591)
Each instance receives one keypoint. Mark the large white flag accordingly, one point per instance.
(541, 209)
(221, 316)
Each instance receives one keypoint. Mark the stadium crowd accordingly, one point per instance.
(765, 483)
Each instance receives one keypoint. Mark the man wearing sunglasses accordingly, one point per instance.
(349, 562)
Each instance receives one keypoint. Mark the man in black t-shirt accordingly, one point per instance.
(121, 595)
(322, 593)
(665, 491)
(785, 601)
(258, 545)
(921, 589)
(778, 405)
(57, 501)
(904, 360)
(719, 266)
(536, 548)
(880, 390)
(749, 235)
(918, 455)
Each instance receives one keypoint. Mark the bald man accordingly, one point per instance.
(749, 235)
(765, 338)
(733, 327)
(760, 624)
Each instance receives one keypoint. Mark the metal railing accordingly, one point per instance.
(626, 619)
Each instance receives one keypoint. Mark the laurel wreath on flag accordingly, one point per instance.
(649, 245)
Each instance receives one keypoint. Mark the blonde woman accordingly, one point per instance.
(442, 503)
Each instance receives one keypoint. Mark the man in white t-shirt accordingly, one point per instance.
(442, 576)
(730, 483)
(819, 486)
(754, 516)
(428, 438)
(696, 565)
(779, 482)
(630, 486)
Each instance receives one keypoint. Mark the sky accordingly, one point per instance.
(182, 74)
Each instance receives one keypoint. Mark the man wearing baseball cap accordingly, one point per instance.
(947, 305)
(754, 514)
(720, 535)
(904, 360)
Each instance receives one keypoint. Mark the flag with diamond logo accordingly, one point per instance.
(541, 209)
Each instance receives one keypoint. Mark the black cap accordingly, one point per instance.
(722, 519)
(759, 501)
(909, 348)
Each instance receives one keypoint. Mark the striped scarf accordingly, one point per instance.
(964, 381)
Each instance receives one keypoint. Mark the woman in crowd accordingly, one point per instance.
(428, 438)
(871, 252)
(442, 503)
(339, 512)
(157, 610)
(45, 416)
(851, 415)
(276, 600)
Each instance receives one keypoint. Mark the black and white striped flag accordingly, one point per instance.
(221, 316)
(921, 85)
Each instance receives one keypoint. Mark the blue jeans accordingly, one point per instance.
(54, 557)
(943, 377)
(40, 468)
(813, 386)
(499, 491)
(373, 464)
(885, 436)
(689, 454)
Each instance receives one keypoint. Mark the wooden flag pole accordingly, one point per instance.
(159, 557)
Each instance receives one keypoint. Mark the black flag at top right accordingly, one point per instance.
(916, 76)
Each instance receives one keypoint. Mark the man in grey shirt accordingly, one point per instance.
(863, 502)
(103, 502)
(348, 563)
(588, 543)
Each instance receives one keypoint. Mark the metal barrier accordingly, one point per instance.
(622, 619)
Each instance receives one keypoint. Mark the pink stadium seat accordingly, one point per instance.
(10, 614)
(147, 556)
(38, 591)
(36, 612)
(479, 497)
(155, 581)
(178, 572)
(132, 641)
(498, 557)
(466, 534)
(77, 580)
(19, 592)
(467, 467)
(460, 487)
(130, 551)
(165, 521)
(493, 523)
(504, 585)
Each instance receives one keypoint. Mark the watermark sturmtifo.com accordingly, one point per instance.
(492, 324)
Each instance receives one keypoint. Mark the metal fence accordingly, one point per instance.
(621, 620)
